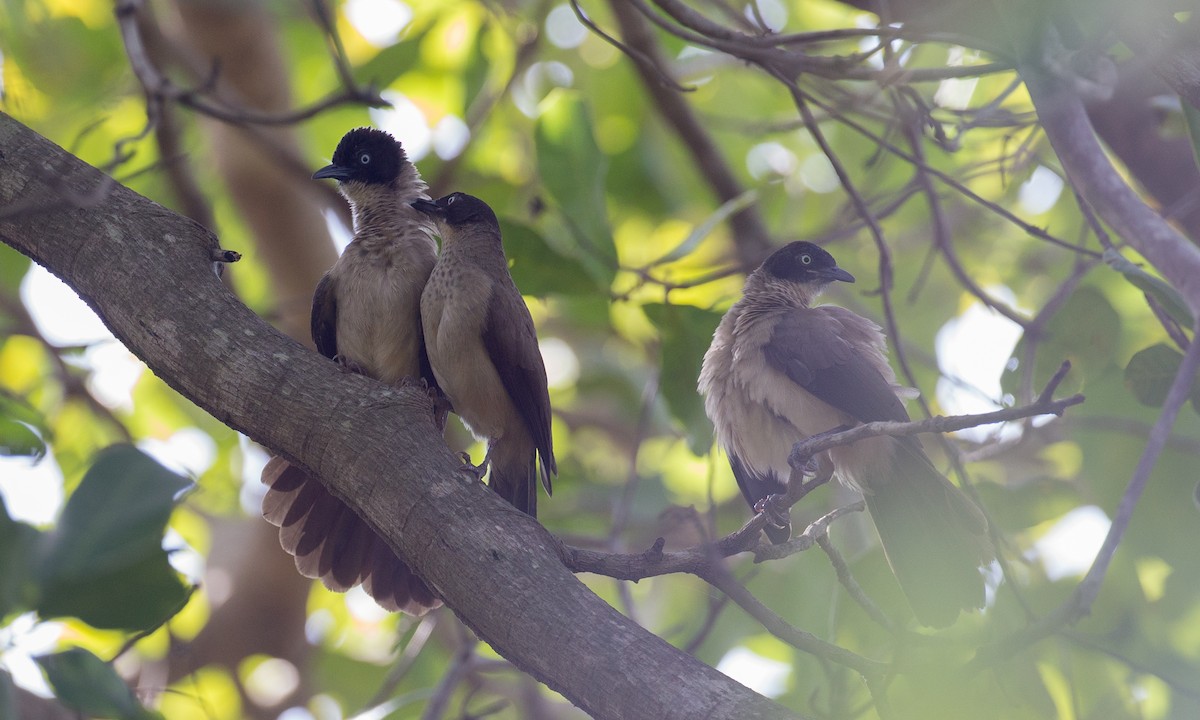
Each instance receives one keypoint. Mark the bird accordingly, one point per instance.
(484, 350)
(365, 316)
(781, 369)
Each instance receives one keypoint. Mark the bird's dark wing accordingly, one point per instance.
(809, 348)
(512, 345)
(324, 317)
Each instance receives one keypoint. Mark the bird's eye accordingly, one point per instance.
(365, 159)
(450, 200)
(806, 259)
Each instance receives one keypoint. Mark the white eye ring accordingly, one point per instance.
(364, 159)
(806, 259)
(450, 200)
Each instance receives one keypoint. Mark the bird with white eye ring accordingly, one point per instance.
(780, 369)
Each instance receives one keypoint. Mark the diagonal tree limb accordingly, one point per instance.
(147, 272)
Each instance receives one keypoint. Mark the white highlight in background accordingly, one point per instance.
(563, 28)
(974, 348)
(762, 675)
(405, 121)
(1069, 548)
(379, 21)
(1040, 192)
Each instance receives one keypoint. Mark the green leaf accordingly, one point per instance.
(685, 332)
(13, 266)
(1192, 117)
(1086, 331)
(18, 558)
(1156, 287)
(391, 62)
(22, 429)
(1017, 507)
(86, 683)
(104, 563)
(573, 170)
(538, 269)
(704, 229)
(1150, 373)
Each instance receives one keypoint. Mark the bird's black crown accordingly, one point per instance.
(366, 155)
(804, 262)
(462, 209)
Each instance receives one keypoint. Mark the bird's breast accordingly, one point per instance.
(454, 308)
(759, 412)
(378, 321)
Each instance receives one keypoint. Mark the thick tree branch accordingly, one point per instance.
(147, 273)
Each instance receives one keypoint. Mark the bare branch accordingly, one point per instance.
(1074, 141)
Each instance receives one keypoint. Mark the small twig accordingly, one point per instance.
(941, 423)
(846, 578)
(160, 88)
(812, 534)
(459, 668)
(719, 577)
(639, 57)
(413, 648)
(1080, 603)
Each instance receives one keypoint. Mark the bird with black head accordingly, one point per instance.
(365, 315)
(781, 369)
(484, 350)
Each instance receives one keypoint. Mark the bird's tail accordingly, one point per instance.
(934, 537)
(330, 541)
(514, 474)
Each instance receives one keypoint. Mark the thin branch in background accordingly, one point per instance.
(1036, 328)
(459, 668)
(942, 239)
(951, 182)
(752, 239)
(73, 386)
(846, 578)
(162, 89)
(717, 603)
(719, 577)
(623, 507)
(642, 59)
(408, 658)
(1079, 604)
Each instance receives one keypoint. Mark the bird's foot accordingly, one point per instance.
(807, 462)
(442, 406)
(777, 511)
(478, 471)
(807, 465)
(349, 366)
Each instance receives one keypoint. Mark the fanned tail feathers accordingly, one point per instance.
(331, 542)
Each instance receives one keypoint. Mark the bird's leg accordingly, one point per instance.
(778, 511)
(805, 463)
(478, 471)
(349, 366)
(441, 403)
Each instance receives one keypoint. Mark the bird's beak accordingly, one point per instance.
(836, 273)
(336, 172)
(429, 207)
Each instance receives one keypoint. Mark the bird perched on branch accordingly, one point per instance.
(780, 370)
(366, 316)
(484, 350)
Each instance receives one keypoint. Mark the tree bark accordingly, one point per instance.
(148, 273)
